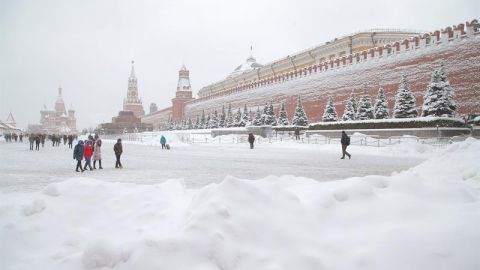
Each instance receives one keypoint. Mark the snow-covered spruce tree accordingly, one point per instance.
(207, 121)
(350, 112)
(214, 120)
(283, 117)
(245, 117)
(229, 117)
(197, 123)
(380, 108)
(223, 116)
(300, 118)
(404, 101)
(365, 109)
(202, 120)
(250, 117)
(269, 117)
(237, 119)
(190, 123)
(257, 121)
(330, 114)
(264, 114)
(438, 99)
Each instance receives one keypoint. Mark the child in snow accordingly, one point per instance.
(87, 153)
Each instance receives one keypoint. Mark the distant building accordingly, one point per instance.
(59, 120)
(128, 120)
(9, 126)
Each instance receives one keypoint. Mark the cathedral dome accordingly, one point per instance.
(249, 65)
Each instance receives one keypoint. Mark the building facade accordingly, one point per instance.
(59, 120)
(342, 67)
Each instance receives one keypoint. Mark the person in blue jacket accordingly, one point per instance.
(78, 154)
(163, 142)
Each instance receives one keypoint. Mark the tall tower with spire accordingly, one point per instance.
(183, 94)
(132, 102)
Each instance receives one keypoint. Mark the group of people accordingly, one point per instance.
(9, 137)
(92, 149)
(345, 141)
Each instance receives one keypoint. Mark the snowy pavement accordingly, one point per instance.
(426, 217)
(198, 164)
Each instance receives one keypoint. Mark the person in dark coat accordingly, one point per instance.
(297, 134)
(70, 141)
(345, 143)
(31, 140)
(37, 142)
(78, 155)
(118, 149)
(251, 140)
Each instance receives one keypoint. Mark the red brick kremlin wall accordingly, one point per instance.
(457, 48)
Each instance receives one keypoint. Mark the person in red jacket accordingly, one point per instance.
(87, 153)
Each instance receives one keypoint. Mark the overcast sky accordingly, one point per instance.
(86, 46)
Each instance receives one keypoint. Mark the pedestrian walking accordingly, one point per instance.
(251, 140)
(78, 155)
(37, 142)
(87, 154)
(42, 138)
(297, 134)
(118, 149)
(163, 142)
(70, 141)
(97, 153)
(31, 140)
(345, 143)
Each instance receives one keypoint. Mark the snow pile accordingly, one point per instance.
(424, 218)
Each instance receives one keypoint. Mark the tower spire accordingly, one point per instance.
(132, 73)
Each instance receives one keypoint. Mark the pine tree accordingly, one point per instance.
(250, 117)
(350, 112)
(380, 108)
(229, 117)
(330, 114)
(207, 121)
(283, 117)
(269, 116)
(190, 123)
(202, 120)
(300, 118)
(221, 121)
(264, 114)
(404, 101)
(245, 117)
(214, 120)
(365, 109)
(438, 99)
(237, 119)
(197, 123)
(258, 118)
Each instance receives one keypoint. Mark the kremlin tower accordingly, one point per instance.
(183, 94)
(132, 102)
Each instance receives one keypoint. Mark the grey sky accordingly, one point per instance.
(86, 46)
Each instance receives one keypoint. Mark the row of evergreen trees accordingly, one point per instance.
(438, 101)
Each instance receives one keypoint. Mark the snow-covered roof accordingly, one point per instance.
(249, 65)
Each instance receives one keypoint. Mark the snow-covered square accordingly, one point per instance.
(281, 205)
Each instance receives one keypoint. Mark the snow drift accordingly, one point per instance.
(423, 218)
